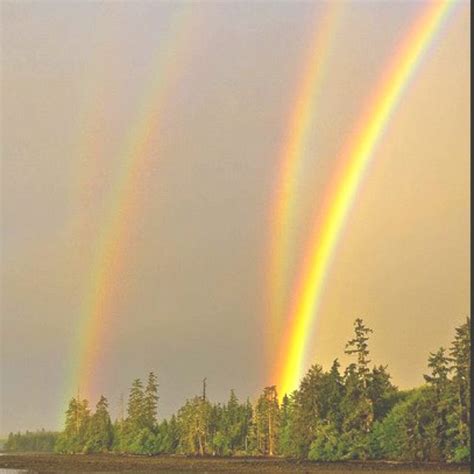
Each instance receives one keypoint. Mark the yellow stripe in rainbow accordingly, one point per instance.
(339, 199)
(107, 271)
(292, 156)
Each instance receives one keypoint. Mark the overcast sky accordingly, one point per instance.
(192, 285)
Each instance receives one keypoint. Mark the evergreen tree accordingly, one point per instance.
(38, 441)
(193, 422)
(218, 431)
(150, 401)
(382, 394)
(136, 410)
(357, 406)
(285, 445)
(438, 379)
(73, 438)
(460, 352)
(357, 415)
(249, 445)
(326, 445)
(267, 421)
(100, 430)
(358, 345)
(232, 422)
(438, 363)
(168, 436)
(307, 411)
(407, 433)
(135, 436)
(228, 425)
(326, 440)
(332, 394)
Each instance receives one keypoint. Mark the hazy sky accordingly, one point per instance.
(192, 285)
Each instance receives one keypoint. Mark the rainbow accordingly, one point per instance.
(109, 262)
(293, 153)
(352, 164)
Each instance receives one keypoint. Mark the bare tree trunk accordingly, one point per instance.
(270, 432)
(201, 448)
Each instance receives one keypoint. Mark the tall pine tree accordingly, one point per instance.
(100, 431)
(150, 401)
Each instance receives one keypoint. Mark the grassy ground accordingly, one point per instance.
(50, 463)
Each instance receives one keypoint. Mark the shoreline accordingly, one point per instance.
(50, 463)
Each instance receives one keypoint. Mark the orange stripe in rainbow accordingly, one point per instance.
(293, 154)
(339, 199)
(107, 271)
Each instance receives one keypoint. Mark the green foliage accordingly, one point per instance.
(382, 394)
(150, 402)
(327, 444)
(459, 418)
(441, 396)
(357, 415)
(229, 427)
(167, 437)
(193, 426)
(359, 346)
(74, 437)
(285, 445)
(36, 441)
(306, 412)
(136, 409)
(408, 432)
(266, 421)
(100, 430)
(358, 407)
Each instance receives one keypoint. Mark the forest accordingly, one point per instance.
(335, 415)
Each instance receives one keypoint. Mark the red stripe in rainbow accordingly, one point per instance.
(293, 153)
(110, 255)
(339, 199)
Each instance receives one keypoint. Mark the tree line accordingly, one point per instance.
(355, 413)
(31, 441)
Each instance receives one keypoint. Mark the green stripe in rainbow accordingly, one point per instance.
(97, 313)
(340, 197)
(292, 157)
